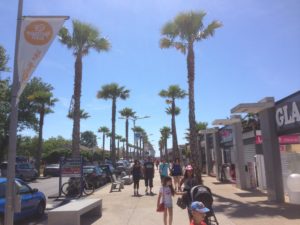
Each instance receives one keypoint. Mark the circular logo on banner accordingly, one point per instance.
(38, 32)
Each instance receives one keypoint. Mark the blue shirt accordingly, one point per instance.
(163, 169)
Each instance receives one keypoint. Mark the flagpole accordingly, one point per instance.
(10, 190)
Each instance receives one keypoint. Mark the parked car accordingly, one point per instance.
(109, 170)
(24, 171)
(95, 175)
(52, 170)
(125, 162)
(122, 167)
(33, 202)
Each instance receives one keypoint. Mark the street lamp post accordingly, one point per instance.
(10, 190)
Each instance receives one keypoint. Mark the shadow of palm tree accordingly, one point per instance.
(238, 209)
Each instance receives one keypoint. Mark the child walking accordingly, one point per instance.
(166, 193)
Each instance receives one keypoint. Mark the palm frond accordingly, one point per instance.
(170, 30)
(209, 30)
(165, 43)
(101, 44)
(65, 38)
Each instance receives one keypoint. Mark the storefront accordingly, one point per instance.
(288, 129)
(227, 154)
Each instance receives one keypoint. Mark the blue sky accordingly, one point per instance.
(255, 54)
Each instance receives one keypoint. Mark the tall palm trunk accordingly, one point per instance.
(143, 149)
(103, 146)
(127, 127)
(166, 150)
(40, 140)
(113, 132)
(174, 132)
(76, 115)
(197, 159)
(160, 153)
(123, 151)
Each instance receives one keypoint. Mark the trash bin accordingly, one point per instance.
(293, 186)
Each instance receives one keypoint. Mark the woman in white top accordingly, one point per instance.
(166, 193)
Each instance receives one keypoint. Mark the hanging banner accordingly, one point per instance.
(36, 36)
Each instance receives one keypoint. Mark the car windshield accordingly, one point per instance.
(25, 166)
(88, 170)
(3, 188)
(53, 166)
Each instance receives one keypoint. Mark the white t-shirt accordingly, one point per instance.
(166, 196)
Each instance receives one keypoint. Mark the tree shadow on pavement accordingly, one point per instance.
(33, 221)
(238, 209)
(88, 220)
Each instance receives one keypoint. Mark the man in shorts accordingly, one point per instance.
(149, 175)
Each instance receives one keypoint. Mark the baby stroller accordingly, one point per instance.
(203, 194)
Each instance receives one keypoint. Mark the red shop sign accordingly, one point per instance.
(286, 139)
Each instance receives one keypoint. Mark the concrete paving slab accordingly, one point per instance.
(232, 206)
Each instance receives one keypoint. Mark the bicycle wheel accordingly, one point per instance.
(89, 188)
(70, 190)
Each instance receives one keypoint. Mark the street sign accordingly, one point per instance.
(288, 114)
(71, 167)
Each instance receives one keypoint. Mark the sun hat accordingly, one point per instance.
(199, 207)
(189, 167)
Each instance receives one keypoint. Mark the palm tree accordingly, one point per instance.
(109, 135)
(118, 138)
(42, 101)
(138, 131)
(127, 113)
(123, 140)
(83, 115)
(174, 92)
(145, 141)
(161, 146)
(104, 130)
(182, 33)
(113, 91)
(165, 134)
(199, 126)
(83, 38)
(174, 112)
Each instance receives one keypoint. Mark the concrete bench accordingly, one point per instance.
(116, 184)
(70, 213)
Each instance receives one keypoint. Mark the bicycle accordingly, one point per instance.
(72, 188)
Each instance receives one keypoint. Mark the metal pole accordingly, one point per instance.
(10, 190)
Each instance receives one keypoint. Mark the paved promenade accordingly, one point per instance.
(232, 207)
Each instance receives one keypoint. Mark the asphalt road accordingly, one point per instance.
(49, 186)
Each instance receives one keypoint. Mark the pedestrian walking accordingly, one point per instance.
(149, 175)
(199, 211)
(163, 169)
(166, 193)
(176, 173)
(189, 181)
(136, 176)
